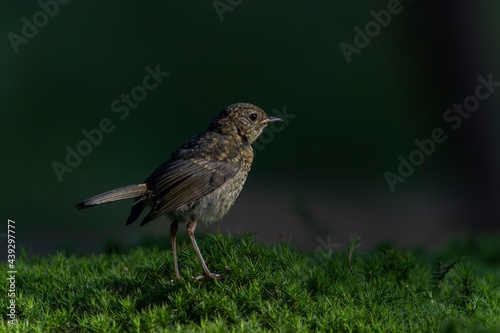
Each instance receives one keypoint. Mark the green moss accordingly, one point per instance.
(270, 288)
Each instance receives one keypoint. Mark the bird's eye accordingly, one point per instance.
(253, 117)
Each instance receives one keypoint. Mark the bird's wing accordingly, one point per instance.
(180, 181)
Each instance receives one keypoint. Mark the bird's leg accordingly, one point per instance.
(173, 233)
(191, 226)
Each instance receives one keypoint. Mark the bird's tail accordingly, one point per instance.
(126, 192)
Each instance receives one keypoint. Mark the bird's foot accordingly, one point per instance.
(212, 275)
(177, 278)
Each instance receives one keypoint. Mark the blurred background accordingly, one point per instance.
(317, 179)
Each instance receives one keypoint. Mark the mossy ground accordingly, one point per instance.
(270, 288)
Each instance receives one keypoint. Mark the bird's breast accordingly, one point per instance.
(213, 206)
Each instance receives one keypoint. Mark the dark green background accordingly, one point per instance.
(324, 170)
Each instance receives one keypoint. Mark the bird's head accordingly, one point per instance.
(243, 120)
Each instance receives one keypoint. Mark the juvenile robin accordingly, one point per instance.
(202, 178)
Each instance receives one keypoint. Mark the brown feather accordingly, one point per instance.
(126, 192)
(186, 180)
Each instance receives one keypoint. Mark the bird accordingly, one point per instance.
(201, 179)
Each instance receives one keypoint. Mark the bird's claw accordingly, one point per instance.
(212, 275)
(177, 278)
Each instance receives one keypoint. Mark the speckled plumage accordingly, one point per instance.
(217, 167)
(202, 179)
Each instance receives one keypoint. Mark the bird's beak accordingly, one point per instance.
(270, 120)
